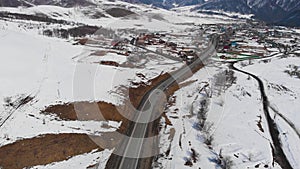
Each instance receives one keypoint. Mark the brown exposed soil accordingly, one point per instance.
(69, 112)
(119, 12)
(109, 63)
(101, 111)
(136, 94)
(85, 111)
(171, 90)
(167, 120)
(81, 41)
(259, 125)
(44, 150)
(154, 128)
(52, 148)
(100, 53)
(188, 163)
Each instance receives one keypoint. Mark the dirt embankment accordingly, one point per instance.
(50, 148)
(154, 127)
(44, 150)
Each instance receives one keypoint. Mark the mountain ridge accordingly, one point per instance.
(278, 12)
(270, 11)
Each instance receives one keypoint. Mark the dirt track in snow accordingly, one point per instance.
(278, 153)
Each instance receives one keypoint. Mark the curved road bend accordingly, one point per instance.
(279, 155)
(134, 147)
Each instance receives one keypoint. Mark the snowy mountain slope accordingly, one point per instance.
(288, 5)
(14, 3)
(272, 11)
(167, 3)
(28, 3)
(104, 14)
(227, 5)
(292, 19)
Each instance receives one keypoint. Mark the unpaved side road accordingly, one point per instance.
(278, 155)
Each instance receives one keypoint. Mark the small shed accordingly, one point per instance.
(234, 44)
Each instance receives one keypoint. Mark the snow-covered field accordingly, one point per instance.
(232, 114)
(46, 70)
(220, 114)
(143, 17)
(238, 126)
(283, 93)
(220, 117)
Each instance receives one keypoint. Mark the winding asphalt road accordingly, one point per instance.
(137, 146)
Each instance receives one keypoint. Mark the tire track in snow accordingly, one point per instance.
(292, 125)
